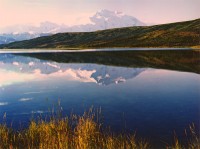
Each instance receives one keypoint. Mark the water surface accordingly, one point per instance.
(151, 102)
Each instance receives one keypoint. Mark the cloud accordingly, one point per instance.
(25, 99)
(38, 112)
(10, 77)
(3, 103)
(27, 93)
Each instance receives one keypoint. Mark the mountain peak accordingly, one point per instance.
(106, 19)
(101, 20)
(108, 13)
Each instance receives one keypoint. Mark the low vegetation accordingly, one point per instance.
(181, 34)
(78, 132)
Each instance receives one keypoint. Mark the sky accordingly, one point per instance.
(73, 12)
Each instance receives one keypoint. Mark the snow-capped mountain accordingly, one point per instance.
(106, 19)
(99, 74)
(12, 37)
(101, 20)
(6, 39)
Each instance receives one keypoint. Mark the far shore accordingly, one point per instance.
(33, 50)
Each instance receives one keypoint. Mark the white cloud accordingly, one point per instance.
(10, 77)
(27, 93)
(37, 112)
(3, 103)
(25, 99)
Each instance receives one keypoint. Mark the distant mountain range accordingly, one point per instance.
(181, 34)
(102, 20)
(6, 39)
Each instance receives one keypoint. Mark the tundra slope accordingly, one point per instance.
(181, 34)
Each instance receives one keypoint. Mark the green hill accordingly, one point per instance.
(181, 34)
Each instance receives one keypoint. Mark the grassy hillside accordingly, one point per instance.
(181, 34)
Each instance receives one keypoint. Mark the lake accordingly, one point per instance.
(152, 101)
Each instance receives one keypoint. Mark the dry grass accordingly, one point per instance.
(77, 132)
(192, 137)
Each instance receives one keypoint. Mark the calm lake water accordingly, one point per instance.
(151, 102)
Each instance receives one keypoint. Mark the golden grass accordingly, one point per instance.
(192, 137)
(76, 132)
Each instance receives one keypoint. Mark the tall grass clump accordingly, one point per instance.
(79, 132)
(4, 136)
(74, 132)
(193, 139)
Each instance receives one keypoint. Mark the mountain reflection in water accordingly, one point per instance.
(133, 95)
(17, 69)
